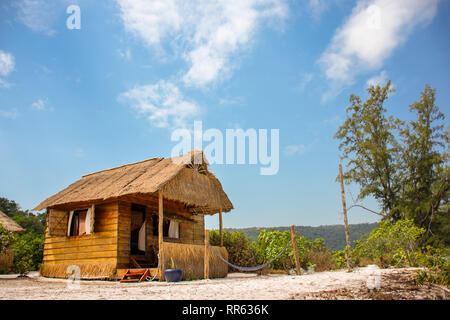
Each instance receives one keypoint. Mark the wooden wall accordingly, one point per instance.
(91, 253)
(124, 225)
(99, 255)
(191, 226)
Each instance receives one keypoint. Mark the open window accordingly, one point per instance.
(77, 223)
(171, 228)
(81, 222)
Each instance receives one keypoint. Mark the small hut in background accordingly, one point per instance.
(7, 258)
(125, 217)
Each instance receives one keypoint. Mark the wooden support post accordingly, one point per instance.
(344, 210)
(206, 261)
(294, 246)
(160, 235)
(220, 228)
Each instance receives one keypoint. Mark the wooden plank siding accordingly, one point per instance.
(108, 248)
(191, 226)
(123, 238)
(96, 247)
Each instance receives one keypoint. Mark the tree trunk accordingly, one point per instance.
(344, 209)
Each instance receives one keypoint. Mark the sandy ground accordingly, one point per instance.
(362, 283)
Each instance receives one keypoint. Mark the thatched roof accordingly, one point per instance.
(10, 224)
(178, 179)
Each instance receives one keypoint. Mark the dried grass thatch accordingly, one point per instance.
(88, 270)
(6, 260)
(190, 258)
(179, 179)
(9, 224)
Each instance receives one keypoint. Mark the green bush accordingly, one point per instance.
(241, 251)
(6, 239)
(312, 254)
(271, 243)
(28, 252)
(436, 262)
(391, 244)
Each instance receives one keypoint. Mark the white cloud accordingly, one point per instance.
(42, 15)
(305, 80)
(370, 35)
(6, 63)
(40, 104)
(378, 80)
(230, 101)
(9, 114)
(206, 34)
(295, 149)
(317, 7)
(162, 103)
(4, 83)
(125, 54)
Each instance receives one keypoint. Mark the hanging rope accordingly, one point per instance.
(251, 268)
(156, 273)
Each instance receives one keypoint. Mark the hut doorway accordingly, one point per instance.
(138, 232)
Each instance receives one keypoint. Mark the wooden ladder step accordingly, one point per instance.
(141, 273)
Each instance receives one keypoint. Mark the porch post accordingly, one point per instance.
(220, 228)
(206, 258)
(160, 236)
(294, 246)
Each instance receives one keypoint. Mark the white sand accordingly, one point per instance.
(235, 286)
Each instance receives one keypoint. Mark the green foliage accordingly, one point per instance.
(437, 267)
(30, 223)
(9, 207)
(333, 235)
(340, 258)
(28, 252)
(241, 251)
(271, 243)
(369, 145)
(311, 253)
(26, 219)
(392, 244)
(6, 239)
(28, 247)
(424, 159)
(403, 165)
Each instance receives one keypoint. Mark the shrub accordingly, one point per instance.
(437, 266)
(312, 254)
(391, 244)
(6, 239)
(28, 252)
(271, 243)
(241, 251)
(320, 259)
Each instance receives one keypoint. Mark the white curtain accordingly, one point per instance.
(174, 229)
(141, 243)
(69, 223)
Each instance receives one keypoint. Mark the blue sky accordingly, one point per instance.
(77, 101)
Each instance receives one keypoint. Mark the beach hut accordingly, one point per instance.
(125, 217)
(7, 258)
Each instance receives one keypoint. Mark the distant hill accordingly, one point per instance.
(334, 235)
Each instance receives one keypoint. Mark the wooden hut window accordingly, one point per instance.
(78, 223)
(174, 230)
